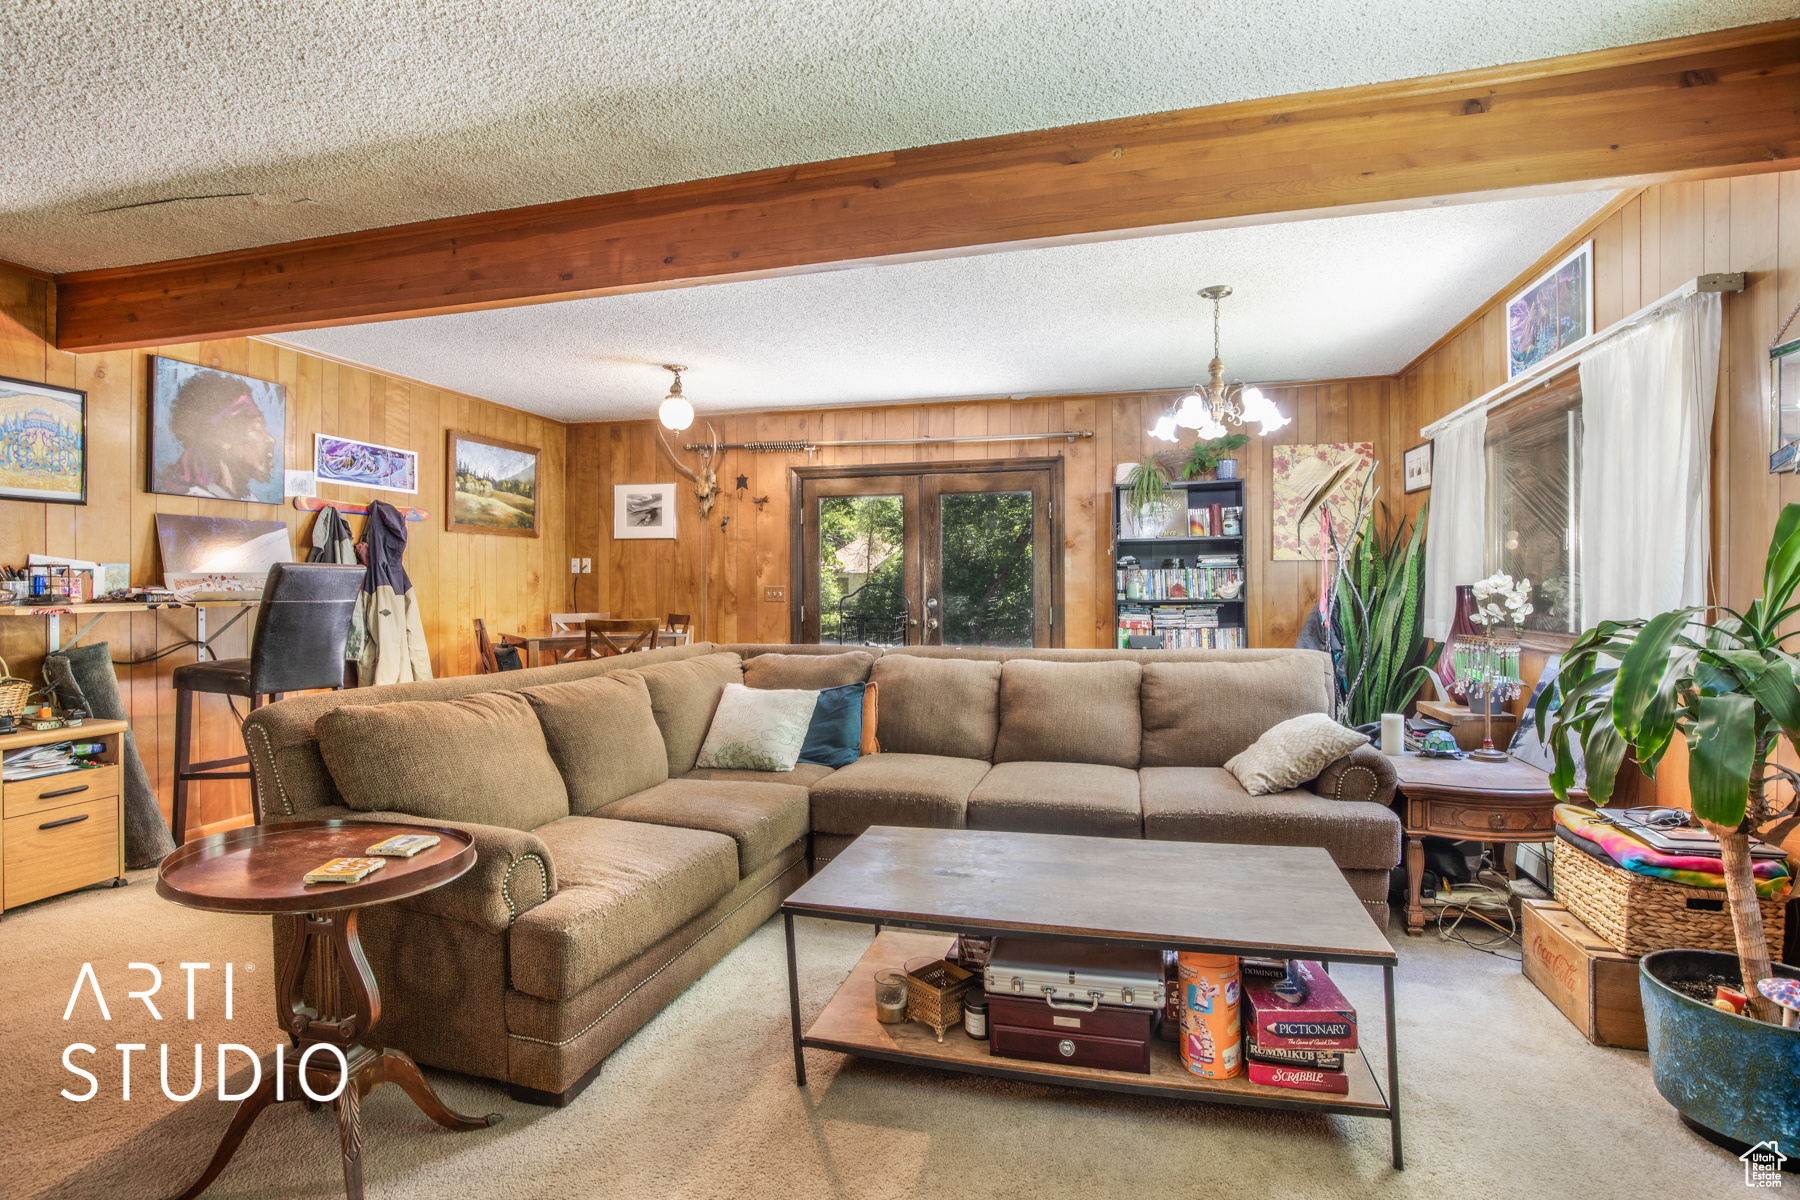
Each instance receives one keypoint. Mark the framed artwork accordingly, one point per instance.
(1417, 475)
(490, 486)
(43, 442)
(644, 510)
(363, 464)
(1784, 402)
(216, 434)
(1299, 472)
(1555, 311)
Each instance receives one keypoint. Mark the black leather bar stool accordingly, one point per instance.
(301, 629)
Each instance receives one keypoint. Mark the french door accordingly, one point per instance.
(933, 554)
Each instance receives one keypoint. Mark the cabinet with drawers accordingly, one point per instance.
(64, 831)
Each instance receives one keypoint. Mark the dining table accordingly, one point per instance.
(547, 646)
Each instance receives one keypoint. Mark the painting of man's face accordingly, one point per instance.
(216, 434)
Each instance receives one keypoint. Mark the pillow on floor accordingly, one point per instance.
(758, 729)
(834, 739)
(1289, 754)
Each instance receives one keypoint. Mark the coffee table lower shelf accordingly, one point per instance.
(848, 1026)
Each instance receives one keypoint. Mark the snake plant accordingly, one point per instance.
(1380, 621)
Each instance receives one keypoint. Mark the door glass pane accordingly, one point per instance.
(861, 558)
(986, 564)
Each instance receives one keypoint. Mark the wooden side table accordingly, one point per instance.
(1467, 800)
(64, 831)
(261, 869)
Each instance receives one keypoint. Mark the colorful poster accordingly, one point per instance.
(43, 443)
(1553, 313)
(1299, 473)
(352, 463)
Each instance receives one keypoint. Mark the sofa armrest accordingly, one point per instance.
(513, 872)
(1363, 774)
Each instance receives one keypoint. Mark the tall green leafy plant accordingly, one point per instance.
(1722, 681)
(1204, 457)
(1380, 621)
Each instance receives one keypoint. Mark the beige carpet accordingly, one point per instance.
(1500, 1096)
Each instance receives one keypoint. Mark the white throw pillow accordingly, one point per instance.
(1293, 752)
(758, 730)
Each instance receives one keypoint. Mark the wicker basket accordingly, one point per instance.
(934, 995)
(1638, 914)
(14, 693)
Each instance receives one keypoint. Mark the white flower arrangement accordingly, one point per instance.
(1498, 599)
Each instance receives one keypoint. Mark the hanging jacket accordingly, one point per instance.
(332, 542)
(393, 628)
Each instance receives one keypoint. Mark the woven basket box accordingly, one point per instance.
(1637, 914)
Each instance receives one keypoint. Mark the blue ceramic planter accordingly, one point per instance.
(1729, 1074)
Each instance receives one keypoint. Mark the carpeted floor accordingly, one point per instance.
(1500, 1096)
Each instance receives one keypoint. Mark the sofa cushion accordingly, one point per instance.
(622, 887)
(1069, 712)
(1198, 714)
(480, 759)
(811, 671)
(803, 774)
(754, 730)
(683, 696)
(1208, 804)
(834, 738)
(602, 736)
(1292, 753)
(926, 791)
(943, 707)
(762, 818)
(1057, 797)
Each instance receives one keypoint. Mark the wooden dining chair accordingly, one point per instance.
(571, 623)
(487, 662)
(679, 623)
(607, 636)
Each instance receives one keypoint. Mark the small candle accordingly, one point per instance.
(1393, 734)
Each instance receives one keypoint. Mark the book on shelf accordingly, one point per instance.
(1142, 621)
(1208, 581)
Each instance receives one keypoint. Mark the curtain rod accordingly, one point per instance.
(1544, 370)
(794, 447)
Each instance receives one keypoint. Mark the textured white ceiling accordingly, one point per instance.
(334, 115)
(1330, 298)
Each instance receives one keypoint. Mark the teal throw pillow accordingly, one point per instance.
(834, 739)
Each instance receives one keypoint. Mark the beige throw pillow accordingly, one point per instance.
(758, 729)
(1293, 752)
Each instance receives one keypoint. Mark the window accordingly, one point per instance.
(1533, 513)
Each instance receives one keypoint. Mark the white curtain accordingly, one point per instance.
(1456, 533)
(1647, 409)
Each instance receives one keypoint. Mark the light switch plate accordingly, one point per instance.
(775, 595)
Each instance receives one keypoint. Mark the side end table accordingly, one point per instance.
(261, 869)
(1467, 800)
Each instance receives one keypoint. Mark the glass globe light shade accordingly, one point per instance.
(1210, 428)
(1190, 411)
(1259, 408)
(1164, 428)
(676, 413)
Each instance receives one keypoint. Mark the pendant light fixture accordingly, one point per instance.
(675, 413)
(1208, 407)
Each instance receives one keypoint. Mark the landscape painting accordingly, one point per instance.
(1554, 312)
(364, 464)
(43, 443)
(643, 510)
(216, 434)
(490, 486)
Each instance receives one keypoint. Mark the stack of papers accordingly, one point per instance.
(33, 761)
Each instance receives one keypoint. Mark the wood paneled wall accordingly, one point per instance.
(718, 572)
(458, 576)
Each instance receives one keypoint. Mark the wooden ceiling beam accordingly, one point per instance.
(1696, 107)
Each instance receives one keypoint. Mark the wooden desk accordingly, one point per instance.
(53, 614)
(1467, 800)
(64, 831)
(557, 642)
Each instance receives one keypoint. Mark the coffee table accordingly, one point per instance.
(261, 869)
(1273, 901)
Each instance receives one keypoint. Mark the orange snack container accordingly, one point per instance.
(1210, 1033)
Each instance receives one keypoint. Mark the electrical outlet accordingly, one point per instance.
(775, 595)
(587, 566)
(574, 566)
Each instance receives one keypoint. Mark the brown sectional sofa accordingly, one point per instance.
(612, 873)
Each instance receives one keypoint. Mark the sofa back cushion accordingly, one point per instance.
(810, 672)
(603, 737)
(940, 706)
(1069, 712)
(1199, 714)
(683, 697)
(479, 758)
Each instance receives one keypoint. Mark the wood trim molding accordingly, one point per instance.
(6, 264)
(1698, 107)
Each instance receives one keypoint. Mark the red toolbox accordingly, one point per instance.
(1108, 1037)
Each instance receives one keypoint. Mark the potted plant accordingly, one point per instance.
(1726, 684)
(1381, 622)
(1207, 453)
(1149, 494)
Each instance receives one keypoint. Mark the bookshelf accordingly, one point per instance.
(1207, 596)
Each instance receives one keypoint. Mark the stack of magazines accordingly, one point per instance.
(33, 761)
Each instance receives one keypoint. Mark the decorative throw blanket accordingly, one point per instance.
(1689, 870)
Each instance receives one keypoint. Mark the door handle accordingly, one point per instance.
(931, 622)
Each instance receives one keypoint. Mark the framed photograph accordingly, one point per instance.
(1784, 402)
(644, 510)
(490, 486)
(216, 434)
(1418, 469)
(1555, 311)
(362, 464)
(43, 442)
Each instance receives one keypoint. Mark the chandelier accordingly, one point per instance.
(675, 413)
(1209, 406)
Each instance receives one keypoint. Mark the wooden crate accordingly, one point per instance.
(1594, 985)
